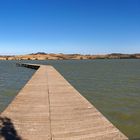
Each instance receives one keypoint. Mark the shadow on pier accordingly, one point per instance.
(7, 130)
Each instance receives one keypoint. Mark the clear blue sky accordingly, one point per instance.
(69, 26)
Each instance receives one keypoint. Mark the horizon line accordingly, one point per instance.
(7, 54)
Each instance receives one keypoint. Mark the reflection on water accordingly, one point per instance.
(111, 85)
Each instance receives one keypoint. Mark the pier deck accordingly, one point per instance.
(49, 108)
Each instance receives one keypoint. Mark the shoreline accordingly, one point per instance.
(44, 56)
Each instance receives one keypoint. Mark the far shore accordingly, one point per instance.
(45, 56)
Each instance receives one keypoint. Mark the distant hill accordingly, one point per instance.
(41, 53)
(46, 56)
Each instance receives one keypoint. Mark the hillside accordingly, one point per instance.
(45, 56)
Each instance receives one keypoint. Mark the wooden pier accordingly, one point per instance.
(49, 108)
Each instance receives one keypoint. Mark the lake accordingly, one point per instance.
(113, 86)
